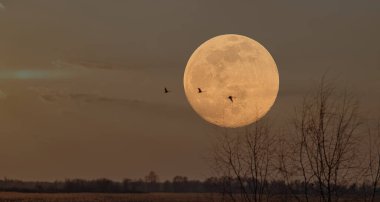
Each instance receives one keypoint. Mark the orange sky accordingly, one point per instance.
(81, 81)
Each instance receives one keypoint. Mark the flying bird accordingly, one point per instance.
(231, 98)
(200, 90)
(166, 90)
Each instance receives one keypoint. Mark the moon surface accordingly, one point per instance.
(238, 79)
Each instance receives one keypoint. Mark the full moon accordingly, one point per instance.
(231, 81)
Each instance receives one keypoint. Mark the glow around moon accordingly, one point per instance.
(238, 79)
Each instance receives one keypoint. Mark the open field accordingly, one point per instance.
(100, 197)
(130, 197)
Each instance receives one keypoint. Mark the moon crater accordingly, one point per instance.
(238, 77)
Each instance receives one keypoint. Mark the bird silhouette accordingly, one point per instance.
(166, 90)
(231, 98)
(200, 90)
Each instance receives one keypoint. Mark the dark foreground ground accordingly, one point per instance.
(146, 197)
(98, 197)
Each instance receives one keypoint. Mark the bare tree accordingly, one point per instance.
(374, 160)
(289, 167)
(151, 181)
(243, 162)
(326, 128)
(319, 157)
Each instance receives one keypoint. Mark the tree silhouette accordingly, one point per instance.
(151, 181)
(324, 142)
(243, 161)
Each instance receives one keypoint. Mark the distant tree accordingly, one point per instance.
(211, 184)
(127, 187)
(151, 181)
(152, 177)
(179, 183)
(104, 185)
(138, 185)
(167, 186)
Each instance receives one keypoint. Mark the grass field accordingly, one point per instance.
(146, 197)
(98, 197)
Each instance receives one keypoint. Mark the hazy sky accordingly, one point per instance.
(81, 80)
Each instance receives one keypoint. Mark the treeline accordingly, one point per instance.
(296, 188)
(179, 184)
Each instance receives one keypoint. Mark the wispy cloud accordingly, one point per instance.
(32, 74)
(88, 64)
(50, 96)
(62, 97)
(89, 98)
(2, 7)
